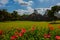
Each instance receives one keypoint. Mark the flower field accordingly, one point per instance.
(28, 30)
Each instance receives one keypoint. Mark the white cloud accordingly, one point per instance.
(3, 2)
(58, 4)
(28, 6)
(21, 11)
(30, 9)
(22, 2)
(42, 10)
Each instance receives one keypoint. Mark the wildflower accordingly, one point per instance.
(51, 28)
(23, 30)
(13, 37)
(1, 32)
(57, 37)
(20, 34)
(59, 27)
(47, 35)
(33, 28)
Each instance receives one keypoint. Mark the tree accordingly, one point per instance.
(15, 15)
(53, 11)
(35, 16)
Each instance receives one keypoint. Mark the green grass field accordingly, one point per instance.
(24, 24)
(41, 26)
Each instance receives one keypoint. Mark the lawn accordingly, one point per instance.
(40, 28)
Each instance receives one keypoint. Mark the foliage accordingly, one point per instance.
(35, 16)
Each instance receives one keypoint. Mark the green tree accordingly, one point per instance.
(15, 15)
(53, 11)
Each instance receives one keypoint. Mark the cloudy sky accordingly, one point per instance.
(27, 6)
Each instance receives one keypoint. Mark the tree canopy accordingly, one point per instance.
(35, 16)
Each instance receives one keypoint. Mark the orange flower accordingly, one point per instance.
(23, 30)
(47, 35)
(33, 28)
(57, 37)
(13, 37)
(51, 28)
(59, 27)
(49, 25)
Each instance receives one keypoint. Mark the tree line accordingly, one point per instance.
(35, 16)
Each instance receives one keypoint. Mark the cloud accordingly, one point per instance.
(28, 6)
(21, 11)
(42, 10)
(58, 4)
(22, 2)
(30, 9)
(3, 2)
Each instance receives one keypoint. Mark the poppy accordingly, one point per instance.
(1, 32)
(47, 35)
(23, 30)
(57, 37)
(13, 37)
(20, 34)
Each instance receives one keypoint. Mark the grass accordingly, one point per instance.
(41, 26)
(23, 24)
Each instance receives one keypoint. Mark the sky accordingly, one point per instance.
(28, 6)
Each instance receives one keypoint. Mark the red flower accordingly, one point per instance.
(13, 37)
(51, 28)
(20, 34)
(23, 30)
(33, 28)
(47, 35)
(1, 32)
(57, 37)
